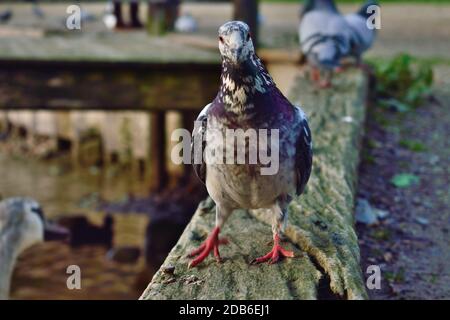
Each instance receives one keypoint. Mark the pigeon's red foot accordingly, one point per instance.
(315, 75)
(275, 254)
(210, 244)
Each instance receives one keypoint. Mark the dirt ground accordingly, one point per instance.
(412, 244)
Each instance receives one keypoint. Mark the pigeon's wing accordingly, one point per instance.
(303, 156)
(199, 143)
(311, 27)
(321, 30)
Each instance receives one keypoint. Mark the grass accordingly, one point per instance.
(413, 145)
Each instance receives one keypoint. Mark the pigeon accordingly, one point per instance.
(5, 16)
(22, 224)
(362, 36)
(248, 100)
(324, 37)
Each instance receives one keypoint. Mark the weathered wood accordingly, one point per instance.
(106, 86)
(320, 228)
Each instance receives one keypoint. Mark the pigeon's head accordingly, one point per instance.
(235, 42)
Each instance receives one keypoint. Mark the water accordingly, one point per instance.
(41, 270)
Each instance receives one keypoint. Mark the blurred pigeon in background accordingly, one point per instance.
(248, 99)
(186, 23)
(5, 16)
(22, 224)
(362, 36)
(324, 38)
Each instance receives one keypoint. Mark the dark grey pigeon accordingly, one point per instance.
(324, 37)
(5, 16)
(362, 36)
(248, 100)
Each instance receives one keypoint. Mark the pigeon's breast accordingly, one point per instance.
(251, 174)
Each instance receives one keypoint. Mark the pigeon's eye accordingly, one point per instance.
(248, 36)
(221, 39)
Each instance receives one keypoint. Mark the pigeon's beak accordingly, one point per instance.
(54, 232)
(236, 54)
(236, 44)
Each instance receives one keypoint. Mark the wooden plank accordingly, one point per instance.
(64, 45)
(320, 227)
(106, 86)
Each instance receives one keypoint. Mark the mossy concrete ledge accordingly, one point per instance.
(321, 224)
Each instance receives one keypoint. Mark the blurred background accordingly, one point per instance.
(90, 112)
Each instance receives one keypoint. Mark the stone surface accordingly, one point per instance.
(320, 228)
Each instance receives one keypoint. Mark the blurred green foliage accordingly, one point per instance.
(403, 82)
(404, 180)
(413, 145)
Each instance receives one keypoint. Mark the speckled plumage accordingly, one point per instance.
(249, 99)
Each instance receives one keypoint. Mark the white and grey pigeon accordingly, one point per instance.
(248, 99)
(22, 224)
(324, 36)
(362, 36)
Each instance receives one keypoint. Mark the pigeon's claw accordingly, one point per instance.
(275, 254)
(210, 244)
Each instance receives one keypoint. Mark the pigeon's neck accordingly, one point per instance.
(242, 84)
(8, 256)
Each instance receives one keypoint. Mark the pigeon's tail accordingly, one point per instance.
(364, 12)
